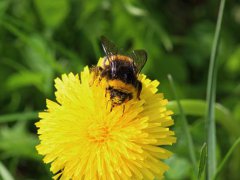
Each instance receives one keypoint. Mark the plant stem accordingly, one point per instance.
(211, 96)
(4, 173)
(198, 107)
(18, 116)
(236, 143)
(185, 127)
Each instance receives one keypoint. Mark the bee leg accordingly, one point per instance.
(139, 89)
(109, 88)
(107, 105)
(99, 72)
(96, 70)
(111, 108)
(106, 91)
(93, 70)
(123, 109)
(59, 177)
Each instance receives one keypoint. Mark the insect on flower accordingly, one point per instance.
(103, 144)
(121, 72)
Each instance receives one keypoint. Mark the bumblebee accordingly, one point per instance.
(121, 72)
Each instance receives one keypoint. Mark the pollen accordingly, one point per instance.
(98, 133)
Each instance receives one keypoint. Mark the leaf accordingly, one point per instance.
(4, 173)
(52, 13)
(236, 112)
(180, 168)
(3, 6)
(135, 11)
(233, 147)
(39, 56)
(23, 79)
(185, 126)
(18, 116)
(23, 142)
(211, 98)
(203, 158)
(172, 65)
(233, 63)
(161, 33)
(197, 107)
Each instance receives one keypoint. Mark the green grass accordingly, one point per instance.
(211, 98)
(18, 116)
(4, 173)
(185, 126)
(39, 41)
(224, 161)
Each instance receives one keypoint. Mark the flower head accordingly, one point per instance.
(83, 139)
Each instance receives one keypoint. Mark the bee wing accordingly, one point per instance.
(139, 59)
(109, 47)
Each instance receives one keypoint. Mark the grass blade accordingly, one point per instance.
(18, 116)
(211, 96)
(198, 107)
(4, 173)
(185, 126)
(203, 158)
(236, 143)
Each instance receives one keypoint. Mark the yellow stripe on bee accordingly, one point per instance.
(118, 84)
(120, 57)
(112, 58)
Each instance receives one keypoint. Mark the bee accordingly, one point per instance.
(121, 72)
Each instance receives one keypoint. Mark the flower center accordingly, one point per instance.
(98, 133)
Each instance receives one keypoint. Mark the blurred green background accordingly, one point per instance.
(41, 39)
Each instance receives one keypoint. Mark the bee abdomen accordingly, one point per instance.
(118, 96)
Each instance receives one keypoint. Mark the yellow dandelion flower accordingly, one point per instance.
(83, 139)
